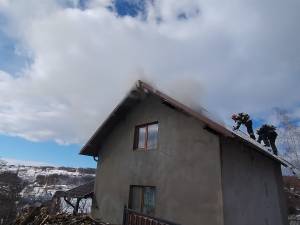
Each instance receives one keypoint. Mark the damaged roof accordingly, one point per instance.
(137, 94)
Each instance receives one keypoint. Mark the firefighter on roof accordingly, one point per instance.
(243, 118)
(268, 134)
(262, 135)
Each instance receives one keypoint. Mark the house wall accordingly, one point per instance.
(185, 169)
(252, 187)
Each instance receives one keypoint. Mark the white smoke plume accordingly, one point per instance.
(227, 56)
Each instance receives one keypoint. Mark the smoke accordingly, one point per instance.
(233, 56)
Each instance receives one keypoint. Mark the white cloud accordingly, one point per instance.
(244, 54)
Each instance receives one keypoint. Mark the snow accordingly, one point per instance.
(29, 173)
(84, 206)
(33, 189)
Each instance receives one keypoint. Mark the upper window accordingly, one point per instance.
(146, 136)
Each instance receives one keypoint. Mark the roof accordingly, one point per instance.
(292, 182)
(137, 94)
(81, 190)
(77, 192)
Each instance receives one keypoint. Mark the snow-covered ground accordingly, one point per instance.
(42, 182)
(29, 173)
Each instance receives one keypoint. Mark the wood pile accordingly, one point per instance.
(41, 216)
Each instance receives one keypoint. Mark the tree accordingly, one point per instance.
(10, 186)
(2, 163)
(289, 137)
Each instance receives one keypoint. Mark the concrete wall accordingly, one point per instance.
(185, 169)
(252, 187)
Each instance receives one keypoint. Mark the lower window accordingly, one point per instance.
(142, 199)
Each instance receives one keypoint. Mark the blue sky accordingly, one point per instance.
(9, 60)
(65, 64)
(48, 153)
(45, 152)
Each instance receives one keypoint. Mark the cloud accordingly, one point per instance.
(245, 56)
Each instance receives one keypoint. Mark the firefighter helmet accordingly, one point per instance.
(234, 117)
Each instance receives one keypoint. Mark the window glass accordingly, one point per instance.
(149, 200)
(152, 136)
(142, 199)
(142, 137)
(136, 198)
(146, 136)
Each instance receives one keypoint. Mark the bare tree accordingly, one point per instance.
(10, 187)
(289, 137)
(2, 162)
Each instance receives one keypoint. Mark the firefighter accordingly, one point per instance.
(269, 133)
(272, 135)
(243, 118)
(262, 136)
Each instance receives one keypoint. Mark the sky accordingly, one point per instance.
(65, 64)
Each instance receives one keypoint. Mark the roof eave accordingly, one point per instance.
(89, 149)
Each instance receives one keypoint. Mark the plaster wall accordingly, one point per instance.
(252, 187)
(185, 169)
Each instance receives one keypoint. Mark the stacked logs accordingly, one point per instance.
(41, 216)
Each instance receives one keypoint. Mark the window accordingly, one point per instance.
(142, 199)
(146, 136)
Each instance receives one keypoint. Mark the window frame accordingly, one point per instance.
(136, 136)
(142, 203)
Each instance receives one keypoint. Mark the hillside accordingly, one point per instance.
(30, 184)
(42, 182)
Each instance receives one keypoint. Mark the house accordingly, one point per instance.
(76, 200)
(163, 159)
(292, 192)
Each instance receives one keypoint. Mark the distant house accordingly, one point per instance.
(76, 200)
(163, 159)
(292, 191)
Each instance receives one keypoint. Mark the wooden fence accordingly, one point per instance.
(131, 217)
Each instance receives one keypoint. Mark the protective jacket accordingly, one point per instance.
(268, 134)
(242, 118)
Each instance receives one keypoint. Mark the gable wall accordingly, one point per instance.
(252, 187)
(185, 168)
